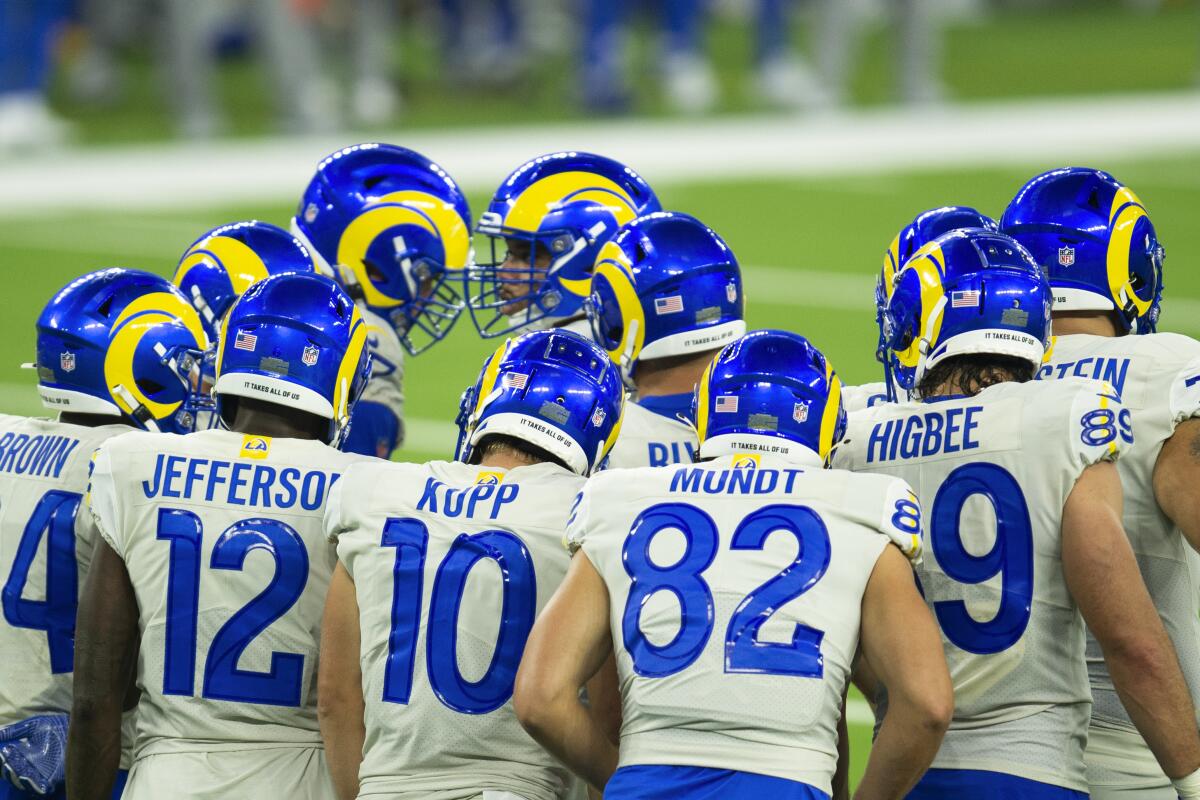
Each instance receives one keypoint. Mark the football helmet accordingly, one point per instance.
(547, 223)
(122, 342)
(393, 228)
(296, 340)
(666, 285)
(969, 291)
(224, 262)
(553, 389)
(925, 227)
(769, 392)
(1096, 242)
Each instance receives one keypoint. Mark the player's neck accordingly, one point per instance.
(507, 459)
(257, 418)
(1095, 323)
(667, 376)
(91, 420)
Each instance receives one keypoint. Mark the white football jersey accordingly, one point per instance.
(993, 473)
(650, 439)
(1158, 378)
(736, 657)
(865, 395)
(386, 385)
(45, 550)
(222, 536)
(451, 564)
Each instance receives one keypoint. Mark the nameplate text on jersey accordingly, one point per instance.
(922, 435)
(467, 501)
(238, 483)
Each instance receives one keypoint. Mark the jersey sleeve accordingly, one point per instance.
(577, 522)
(1185, 393)
(103, 503)
(1100, 428)
(336, 522)
(901, 518)
(386, 385)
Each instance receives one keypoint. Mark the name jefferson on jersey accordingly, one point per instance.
(221, 522)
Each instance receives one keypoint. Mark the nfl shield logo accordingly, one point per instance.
(310, 355)
(310, 212)
(731, 292)
(1066, 256)
(67, 362)
(800, 412)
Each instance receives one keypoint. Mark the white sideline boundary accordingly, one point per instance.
(1050, 131)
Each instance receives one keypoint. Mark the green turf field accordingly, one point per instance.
(810, 249)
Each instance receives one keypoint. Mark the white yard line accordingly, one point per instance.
(1049, 130)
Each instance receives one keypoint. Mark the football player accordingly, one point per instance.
(422, 634)
(547, 223)
(102, 342)
(393, 228)
(220, 266)
(735, 593)
(207, 588)
(1026, 543)
(1095, 240)
(666, 296)
(925, 227)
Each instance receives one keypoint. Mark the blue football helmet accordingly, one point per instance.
(547, 223)
(227, 260)
(122, 342)
(299, 341)
(393, 228)
(553, 389)
(925, 227)
(1096, 242)
(969, 291)
(770, 392)
(666, 285)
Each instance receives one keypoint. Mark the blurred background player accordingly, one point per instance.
(666, 296)
(1094, 238)
(28, 29)
(547, 223)
(98, 342)
(394, 229)
(1024, 527)
(208, 586)
(710, 709)
(406, 610)
(925, 227)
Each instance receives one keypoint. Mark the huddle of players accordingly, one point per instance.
(432, 666)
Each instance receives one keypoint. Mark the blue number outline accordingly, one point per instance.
(54, 516)
(408, 581)
(802, 657)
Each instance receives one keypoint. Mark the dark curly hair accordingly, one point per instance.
(974, 373)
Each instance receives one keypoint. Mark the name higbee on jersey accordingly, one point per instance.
(923, 435)
(23, 454)
(238, 483)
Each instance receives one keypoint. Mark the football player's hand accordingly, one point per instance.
(33, 753)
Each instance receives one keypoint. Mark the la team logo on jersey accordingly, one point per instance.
(256, 446)
(67, 362)
(489, 478)
(1066, 256)
(745, 460)
(310, 355)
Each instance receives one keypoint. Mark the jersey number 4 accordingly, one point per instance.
(54, 516)
(222, 678)
(684, 579)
